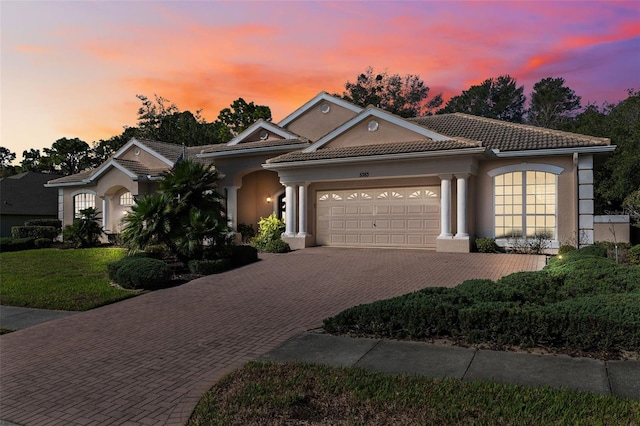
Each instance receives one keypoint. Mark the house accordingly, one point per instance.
(23, 197)
(342, 175)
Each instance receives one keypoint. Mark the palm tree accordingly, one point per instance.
(185, 213)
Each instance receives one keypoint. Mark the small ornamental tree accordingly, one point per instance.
(85, 230)
(186, 214)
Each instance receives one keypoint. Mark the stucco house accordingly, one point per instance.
(342, 175)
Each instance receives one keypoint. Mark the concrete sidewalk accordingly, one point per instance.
(15, 318)
(618, 378)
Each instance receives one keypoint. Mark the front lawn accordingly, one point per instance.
(267, 393)
(580, 303)
(68, 280)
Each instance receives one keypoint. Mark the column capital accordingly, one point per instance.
(463, 175)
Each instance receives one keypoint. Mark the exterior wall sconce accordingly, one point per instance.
(268, 199)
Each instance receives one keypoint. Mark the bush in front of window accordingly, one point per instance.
(56, 223)
(85, 230)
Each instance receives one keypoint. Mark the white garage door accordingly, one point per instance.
(386, 217)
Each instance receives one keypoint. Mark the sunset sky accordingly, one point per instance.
(73, 68)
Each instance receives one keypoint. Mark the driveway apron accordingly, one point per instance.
(148, 360)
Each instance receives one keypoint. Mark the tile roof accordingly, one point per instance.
(170, 151)
(505, 136)
(378, 149)
(78, 177)
(25, 194)
(273, 142)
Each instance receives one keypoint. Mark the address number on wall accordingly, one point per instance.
(364, 174)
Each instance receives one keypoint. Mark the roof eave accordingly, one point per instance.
(384, 157)
(598, 149)
(250, 151)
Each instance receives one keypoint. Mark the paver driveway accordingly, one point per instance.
(148, 360)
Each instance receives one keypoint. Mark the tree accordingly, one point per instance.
(241, 115)
(619, 176)
(498, 98)
(69, 156)
(6, 157)
(185, 212)
(552, 103)
(33, 161)
(161, 120)
(105, 148)
(404, 96)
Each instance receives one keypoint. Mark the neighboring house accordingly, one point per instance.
(342, 175)
(23, 197)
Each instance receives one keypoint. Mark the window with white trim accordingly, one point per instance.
(83, 201)
(525, 204)
(126, 199)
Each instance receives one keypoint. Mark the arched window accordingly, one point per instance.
(525, 204)
(126, 199)
(82, 201)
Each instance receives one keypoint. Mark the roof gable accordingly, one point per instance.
(363, 130)
(166, 152)
(320, 97)
(262, 130)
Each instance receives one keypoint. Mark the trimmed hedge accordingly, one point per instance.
(581, 301)
(139, 272)
(56, 223)
(35, 232)
(16, 244)
(208, 267)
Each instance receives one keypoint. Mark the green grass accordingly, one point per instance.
(69, 280)
(268, 393)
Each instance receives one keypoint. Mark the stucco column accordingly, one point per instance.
(232, 207)
(445, 206)
(105, 207)
(462, 206)
(290, 218)
(302, 209)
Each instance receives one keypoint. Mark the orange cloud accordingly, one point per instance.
(29, 48)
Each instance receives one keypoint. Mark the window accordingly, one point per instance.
(525, 204)
(82, 201)
(126, 199)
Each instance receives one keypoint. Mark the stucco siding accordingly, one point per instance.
(386, 132)
(143, 157)
(252, 196)
(314, 124)
(566, 195)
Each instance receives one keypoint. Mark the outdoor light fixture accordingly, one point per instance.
(268, 199)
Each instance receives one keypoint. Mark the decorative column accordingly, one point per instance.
(105, 206)
(445, 206)
(232, 207)
(462, 206)
(290, 219)
(302, 209)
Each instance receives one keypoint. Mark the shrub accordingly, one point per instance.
(531, 287)
(634, 255)
(43, 243)
(269, 235)
(564, 249)
(243, 255)
(594, 250)
(481, 290)
(157, 251)
(16, 244)
(136, 272)
(247, 232)
(34, 232)
(56, 223)
(276, 246)
(600, 322)
(208, 267)
(487, 245)
(85, 231)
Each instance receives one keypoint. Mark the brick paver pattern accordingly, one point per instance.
(148, 360)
